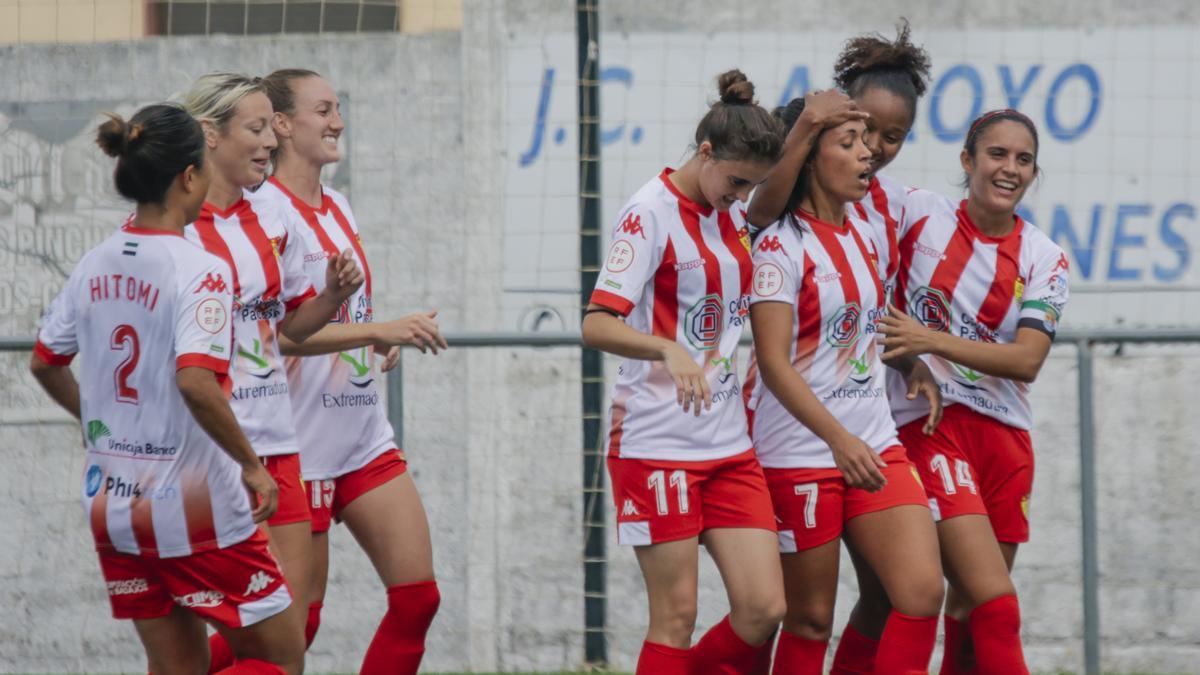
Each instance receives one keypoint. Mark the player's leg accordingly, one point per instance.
(382, 508)
(855, 654)
(268, 646)
(320, 494)
(175, 644)
(670, 570)
(900, 544)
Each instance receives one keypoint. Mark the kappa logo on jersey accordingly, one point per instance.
(771, 245)
(703, 322)
(629, 509)
(931, 308)
(212, 283)
(620, 256)
(199, 599)
(632, 225)
(768, 279)
(842, 329)
(258, 582)
(1062, 263)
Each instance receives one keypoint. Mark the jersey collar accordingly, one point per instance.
(683, 200)
(965, 221)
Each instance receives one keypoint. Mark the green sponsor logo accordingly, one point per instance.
(614, 284)
(97, 430)
(861, 366)
(361, 365)
(256, 356)
(966, 373)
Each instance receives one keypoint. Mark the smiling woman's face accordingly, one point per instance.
(241, 152)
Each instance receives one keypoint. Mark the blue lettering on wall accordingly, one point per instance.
(954, 134)
(1122, 240)
(1174, 242)
(539, 120)
(1014, 93)
(1092, 80)
(1083, 251)
(623, 76)
(797, 85)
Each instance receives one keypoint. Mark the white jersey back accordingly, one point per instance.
(882, 210)
(829, 274)
(141, 305)
(268, 280)
(954, 278)
(340, 418)
(682, 272)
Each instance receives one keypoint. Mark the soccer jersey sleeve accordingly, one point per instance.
(775, 278)
(57, 341)
(632, 258)
(1046, 293)
(919, 204)
(297, 287)
(203, 332)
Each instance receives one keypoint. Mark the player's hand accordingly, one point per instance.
(342, 275)
(419, 330)
(260, 484)
(859, 464)
(390, 359)
(904, 335)
(921, 383)
(691, 385)
(829, 108)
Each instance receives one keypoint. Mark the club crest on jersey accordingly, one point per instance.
(213, 283)
(744, 235)
(632, 225)
(930, 307)
(1019, 288)
(277, 246)
(771, 245)
(704, 321)
(842, 330)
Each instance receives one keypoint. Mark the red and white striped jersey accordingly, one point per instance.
(140, 306)
(268, 280)
(680, 271)
(954, 278)
(882, 209)
(829, 274)
(340, 419)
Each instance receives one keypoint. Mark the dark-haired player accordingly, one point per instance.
(672, 299)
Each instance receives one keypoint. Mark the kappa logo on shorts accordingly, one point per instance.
(629, 509)
(127, 587)
(199, 599)
(258, 581)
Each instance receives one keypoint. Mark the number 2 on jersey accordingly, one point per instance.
(962, 474)
(125, 336)
(658, 483)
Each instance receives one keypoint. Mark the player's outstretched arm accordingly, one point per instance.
(1018, 360)
(59, 382)
(210, 407)
(772, 322)
(342, 278)
(828, 108)
(419, 330)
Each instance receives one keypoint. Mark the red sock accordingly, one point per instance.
(399, 643)
(722, 652)
(996, 633)
(253, 667)
(906, 644)
(855, 654)
(798, 656)
(313, 623)
(957, 658)
(657, 659)
(222, 655)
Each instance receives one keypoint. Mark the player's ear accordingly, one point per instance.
(211, 134)
(968, 164)
(705, 151)
(189, 179)
(282, 124)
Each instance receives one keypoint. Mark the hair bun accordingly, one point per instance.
(113, 136)
(735, 89)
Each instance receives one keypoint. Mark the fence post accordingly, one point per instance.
(395, 400)
(1087, 497)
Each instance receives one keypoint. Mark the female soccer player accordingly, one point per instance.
(349, 457)
(884, 79)
(168, 467)
(985, 292)
(672, 299)
(272, 295)
(821, 423)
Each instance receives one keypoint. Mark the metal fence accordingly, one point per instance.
(594, 499)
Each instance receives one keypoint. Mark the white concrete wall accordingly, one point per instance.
(493, 435)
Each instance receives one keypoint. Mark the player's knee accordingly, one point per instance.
(811, 621)
(760, 615)
(921, 596)
(679, 623)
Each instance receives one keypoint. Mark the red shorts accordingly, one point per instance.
(660, 501)
(813, 505)
(329, 496)
(974, 464)
(293, 502)
(235, 586)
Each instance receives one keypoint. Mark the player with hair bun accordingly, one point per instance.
(672, 299)
(349, 457)
(985, 291)
(272, 297)
(173, 524)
